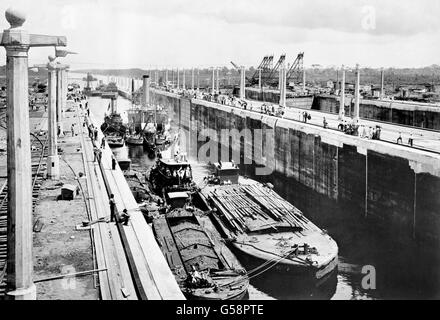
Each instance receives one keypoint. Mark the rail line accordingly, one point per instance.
(38, 155)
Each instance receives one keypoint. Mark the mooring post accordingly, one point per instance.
(17, 42)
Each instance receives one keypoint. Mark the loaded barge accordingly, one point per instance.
(203, 265)
(264, 228)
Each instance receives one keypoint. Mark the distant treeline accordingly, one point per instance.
(230, 76)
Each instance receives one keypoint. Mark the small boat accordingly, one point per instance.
(115, 141)
(263, 228)
(124, 164)
(134, 139)
(198, 258)
(138, 188)
(170, 175)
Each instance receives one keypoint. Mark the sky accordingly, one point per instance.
(202, 33)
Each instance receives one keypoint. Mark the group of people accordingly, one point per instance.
(410, 139)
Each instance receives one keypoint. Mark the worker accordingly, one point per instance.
(72, 129)
(411, 140)
(125, 216)
(95, 154)
(113, 163)
(103, 143)
(325, 123)
(399, 139)
(99, 156)
(96, 134)
(112, 204)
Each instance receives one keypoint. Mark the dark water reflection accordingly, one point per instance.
(403, 269)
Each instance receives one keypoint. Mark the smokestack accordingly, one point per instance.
(146, 88)
(192, 79)
(178, 79)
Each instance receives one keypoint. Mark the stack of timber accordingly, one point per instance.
(265, 228)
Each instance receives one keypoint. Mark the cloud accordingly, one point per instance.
(140, 33)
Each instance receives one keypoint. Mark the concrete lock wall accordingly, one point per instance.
(405, 113)
(392, 187)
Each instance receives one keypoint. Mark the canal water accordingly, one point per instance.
(368, 256)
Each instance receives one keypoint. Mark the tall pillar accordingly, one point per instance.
(357, 95)
(183, 80)
(218, 80)
(242, 82)
(17, 41)
(166, 77)
(178, 79)
(382, 83)
(304, 80)
(146, 90)
(260, 86)
(283, 86)
(59, 97)
(213, 81)
(198, 79)
(54, 118)
(342, 97)
(192, 79)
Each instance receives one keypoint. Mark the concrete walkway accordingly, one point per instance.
(152, 275)
(60, 247)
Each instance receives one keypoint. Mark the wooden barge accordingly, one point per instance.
(266, 229)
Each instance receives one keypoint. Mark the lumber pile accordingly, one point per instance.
(258, 203)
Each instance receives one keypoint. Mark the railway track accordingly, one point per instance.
(38, 155)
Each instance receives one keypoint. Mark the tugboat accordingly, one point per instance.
(263, 228)
(113, 128)
(170, 175)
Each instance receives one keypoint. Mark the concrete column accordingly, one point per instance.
(213, 81)
(192, 79)
(283, 86)
(146, 90)
(357, 95)
(59, 98)
(304, 80)
(19, 264)
(242, 82)
(178, 84)
(183, 80)
(166, 77)
(382, 83)
(260, 85)
(54, 101)
(342, 96)
(218, 80)
(17, 41)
